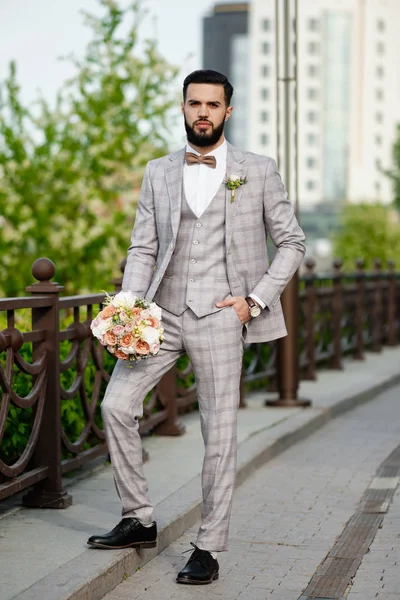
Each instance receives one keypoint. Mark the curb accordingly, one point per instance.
(93, 578)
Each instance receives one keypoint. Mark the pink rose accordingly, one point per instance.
(128, 327)
(145, 314)
(154, 348)
(118, 329)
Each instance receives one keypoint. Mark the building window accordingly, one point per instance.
(312, 117)
(263, 139)
(379, 117)
(266, 25)
(312, 93)
(265, 70)
(264, 94)
(313, 24)
(311, 162)
(312, 70)
(266, 47)
(379, 94)
(380, 25)
(378, 140)
(377, 187)
(311, 139)
(264, 117)
(378, 163)
(313, 47)
(380, 48)
(310, 185)
(380, 71)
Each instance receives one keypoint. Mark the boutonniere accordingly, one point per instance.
(232, 183)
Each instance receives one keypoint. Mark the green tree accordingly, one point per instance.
(368, 231)
(394, 173)
(70, 175)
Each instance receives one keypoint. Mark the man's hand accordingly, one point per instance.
(240, 305)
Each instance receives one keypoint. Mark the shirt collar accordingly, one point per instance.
(219, 153)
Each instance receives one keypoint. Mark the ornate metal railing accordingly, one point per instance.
(53, 373)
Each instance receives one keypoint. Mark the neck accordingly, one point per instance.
(207, 149)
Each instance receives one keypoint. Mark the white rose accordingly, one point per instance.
(155, 310)
(124, 300)
(128, 349)
(234, 177)
(150, 335)
(102, 327)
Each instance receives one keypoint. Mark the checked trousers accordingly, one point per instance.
(214, 344)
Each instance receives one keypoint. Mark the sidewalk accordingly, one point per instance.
(287, 516)
(46, 553)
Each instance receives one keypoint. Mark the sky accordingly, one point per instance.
(35, 33)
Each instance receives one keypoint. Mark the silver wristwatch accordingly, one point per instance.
(254, 309)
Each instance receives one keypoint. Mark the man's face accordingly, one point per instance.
(205, 113)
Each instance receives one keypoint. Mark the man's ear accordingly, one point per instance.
(228, 112)
(182, 107)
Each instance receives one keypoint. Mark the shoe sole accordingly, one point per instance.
(195, 582)
(133, 545)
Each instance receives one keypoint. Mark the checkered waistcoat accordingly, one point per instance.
(196, 275)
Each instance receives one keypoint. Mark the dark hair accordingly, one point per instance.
(209, 76)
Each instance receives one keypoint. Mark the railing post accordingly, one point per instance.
(287, 351)
(311, 297)
(391, 305)
(48, 493)
(337, 315)
(360, 305)
(377, 310)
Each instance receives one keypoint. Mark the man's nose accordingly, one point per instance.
(203, 111)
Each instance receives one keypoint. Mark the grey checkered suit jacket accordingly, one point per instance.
(260, 208)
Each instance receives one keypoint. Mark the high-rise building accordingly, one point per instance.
(226, 49)
(348, 92)
(348, 95)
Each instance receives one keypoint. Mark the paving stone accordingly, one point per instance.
(288, 514)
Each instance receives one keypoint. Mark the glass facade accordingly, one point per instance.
(336, 106)
(240, 80)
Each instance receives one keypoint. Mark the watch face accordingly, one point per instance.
(255, 311)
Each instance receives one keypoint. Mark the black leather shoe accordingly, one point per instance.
(129, 533)
(201, 568)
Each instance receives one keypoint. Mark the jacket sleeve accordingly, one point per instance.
(143, 250)
(287, 235)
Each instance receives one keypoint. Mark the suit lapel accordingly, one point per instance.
(235, 165)
(174, 181)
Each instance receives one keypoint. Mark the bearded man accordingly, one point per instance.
(199, 250)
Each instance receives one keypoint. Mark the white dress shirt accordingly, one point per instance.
(201, 183)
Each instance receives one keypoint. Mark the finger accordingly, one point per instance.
(227, 302)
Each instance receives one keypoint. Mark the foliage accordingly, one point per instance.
(70, 175)
(369, 231)
(394, 173)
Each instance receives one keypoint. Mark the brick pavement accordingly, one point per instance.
(288, 514)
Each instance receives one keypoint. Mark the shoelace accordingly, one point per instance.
(125, 525)
(202, 556)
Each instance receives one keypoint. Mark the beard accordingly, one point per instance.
(204, 139)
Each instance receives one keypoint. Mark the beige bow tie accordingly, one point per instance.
(193, 159)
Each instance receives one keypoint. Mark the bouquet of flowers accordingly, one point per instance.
(130, 327)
